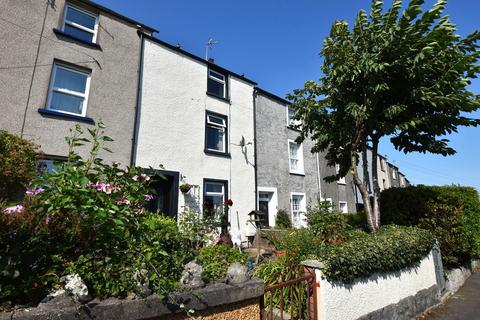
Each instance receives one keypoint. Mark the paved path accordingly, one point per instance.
(463, 305)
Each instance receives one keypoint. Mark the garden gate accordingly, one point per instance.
(289, 300)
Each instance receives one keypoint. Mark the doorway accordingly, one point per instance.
(165, 201)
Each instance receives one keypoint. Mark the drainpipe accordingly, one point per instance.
(319, 181)
(255, 145)
(136, 124)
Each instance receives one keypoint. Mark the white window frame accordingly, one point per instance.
(209, 193)
(223, 82)
(302, 210)
(52, 88)
(383, 164)
(394, 174)
(342, 179)
(300, 169)
(222, 126)
(291, 122)
(340, 203)
(79, 26)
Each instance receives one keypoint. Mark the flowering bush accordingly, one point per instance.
(87, 217)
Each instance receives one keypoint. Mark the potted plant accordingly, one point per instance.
(185, 187)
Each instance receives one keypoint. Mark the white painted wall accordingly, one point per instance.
(339, 302)
(172, 128)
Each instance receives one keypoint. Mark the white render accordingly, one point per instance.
(172, 130)
(340, 302)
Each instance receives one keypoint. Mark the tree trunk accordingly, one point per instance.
(376, 186)
(364, 192)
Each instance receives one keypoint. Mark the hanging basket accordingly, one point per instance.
(185, 187)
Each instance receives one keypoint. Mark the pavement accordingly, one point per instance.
(463, 305)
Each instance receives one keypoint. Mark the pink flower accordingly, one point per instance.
(142, 177)
(123, 200)
(148, 197)
(103, 187)
(14, 209)
(35, 191)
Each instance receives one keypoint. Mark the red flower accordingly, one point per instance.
(229, 202)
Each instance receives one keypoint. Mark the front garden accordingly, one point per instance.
(87, 219)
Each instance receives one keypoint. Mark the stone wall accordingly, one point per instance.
(218, 296)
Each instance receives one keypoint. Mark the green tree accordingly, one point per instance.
(402, 76)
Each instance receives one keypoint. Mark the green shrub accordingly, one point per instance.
(87, 217)
(216, 259)
(17, 164)
(452, 213)
(198, 229)
(329, 226)
(391, 249)
(292, 248)
(357, 220)
(282, 220)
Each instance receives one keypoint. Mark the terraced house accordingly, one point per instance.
(197, 120)
(289, 176)
(68, 62)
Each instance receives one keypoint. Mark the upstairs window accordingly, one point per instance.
(394, 174)
(68, 92)
(214, 197)
(216, 133)
(291, 122)
(80, 24)
(295, 157)
(217, 84)
(337, 171)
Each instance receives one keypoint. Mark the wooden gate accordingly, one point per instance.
(293, 299)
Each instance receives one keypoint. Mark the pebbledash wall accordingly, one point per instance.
(172, 125)
(400, 295)
(275, 181)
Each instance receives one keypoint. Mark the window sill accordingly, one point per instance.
(57, 114)
(217, 153)
(297, 173)
(218, 97)
(69, 36)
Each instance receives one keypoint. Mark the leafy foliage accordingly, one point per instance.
(452, 213)
(391, 249)
(357, 220)
(17, 164)
(401, 75)
(216, 259)
(198, 229)
(293, 248)
(87, 217)
(327, 225)
(282, 220)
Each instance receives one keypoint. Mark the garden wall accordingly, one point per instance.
(399, 295)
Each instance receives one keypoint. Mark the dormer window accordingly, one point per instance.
(80, 24)
(217, 84)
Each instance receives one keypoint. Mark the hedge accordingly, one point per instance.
(391, 249)
(452, 213)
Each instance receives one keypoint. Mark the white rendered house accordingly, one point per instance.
(197, 120)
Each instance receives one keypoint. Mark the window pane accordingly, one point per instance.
(216, 88)
(80, 18)
(66, 102)
(216, 120)
(215, 139)
(77, 33)
(217, 75)
(214, 187)
(70, 80)
(293, 151)
(291, 113)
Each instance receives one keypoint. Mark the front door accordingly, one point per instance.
(165, 201)
(263, 201)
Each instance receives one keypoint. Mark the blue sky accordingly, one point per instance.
(276, 43)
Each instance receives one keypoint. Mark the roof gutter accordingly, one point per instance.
(136, 124)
